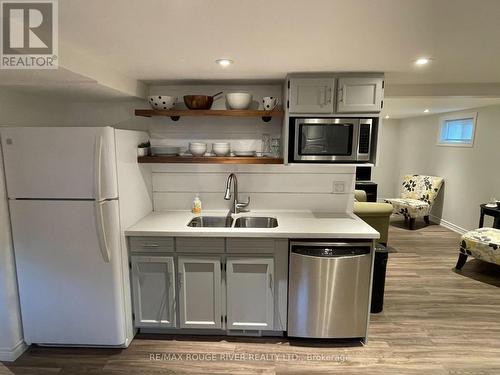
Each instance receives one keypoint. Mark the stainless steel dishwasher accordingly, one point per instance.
(329, 289)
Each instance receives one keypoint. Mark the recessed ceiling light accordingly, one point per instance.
(224, 62)
(422, 61)
(387, 116)
(426, 110)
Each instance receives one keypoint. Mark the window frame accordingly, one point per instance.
(458, 116)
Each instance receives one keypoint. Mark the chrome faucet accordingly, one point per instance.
(236, 206)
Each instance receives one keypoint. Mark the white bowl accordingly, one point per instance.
(220, 148)
(197, 149)
(163, 102)
(238, 100)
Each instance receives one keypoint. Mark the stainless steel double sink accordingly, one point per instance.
(227, 222)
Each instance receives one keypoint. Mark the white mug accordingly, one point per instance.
(269, 102)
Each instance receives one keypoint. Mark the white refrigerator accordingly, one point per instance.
(72, 192)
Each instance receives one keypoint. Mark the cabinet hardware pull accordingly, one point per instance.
(150, 245)
(271, 281)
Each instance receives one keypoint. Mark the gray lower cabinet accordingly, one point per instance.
(210, 283)
(250, 293)
(200, 290)
(153, 280)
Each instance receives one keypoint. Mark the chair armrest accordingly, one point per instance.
(360, 195)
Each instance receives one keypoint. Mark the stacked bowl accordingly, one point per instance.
(220, 148)
(197, 148)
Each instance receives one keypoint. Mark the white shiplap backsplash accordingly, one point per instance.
(279, 187)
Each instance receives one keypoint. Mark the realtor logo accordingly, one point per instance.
(29, 34)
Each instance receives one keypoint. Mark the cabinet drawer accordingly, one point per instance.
(151, 244)
(250, 245)
(200, 245)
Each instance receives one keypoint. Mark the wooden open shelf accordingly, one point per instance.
(175, 114)
(210, 159)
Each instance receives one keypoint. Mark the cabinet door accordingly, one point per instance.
(311, 95)
(153, 283)
(250, 293)
(360, 95)
(200, 292)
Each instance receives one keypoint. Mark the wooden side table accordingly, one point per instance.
(490, 211)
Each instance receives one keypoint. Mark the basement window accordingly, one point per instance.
(457, 130)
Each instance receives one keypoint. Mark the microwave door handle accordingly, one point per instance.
(101, 232)
(97, 167)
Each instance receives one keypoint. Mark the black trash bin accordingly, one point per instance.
(379, 269)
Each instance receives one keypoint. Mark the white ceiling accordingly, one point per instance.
(108, 47)
(180, 39)
(398, 108)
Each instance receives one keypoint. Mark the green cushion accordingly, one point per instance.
(372, 209)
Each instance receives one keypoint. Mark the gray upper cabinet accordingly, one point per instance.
(153, 280)
(200, 287)
(360, 94)
(311, 95)
(250, 293)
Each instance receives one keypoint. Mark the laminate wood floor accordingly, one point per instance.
(435, 321)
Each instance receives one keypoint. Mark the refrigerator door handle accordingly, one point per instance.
(101, 232)
(98, 166)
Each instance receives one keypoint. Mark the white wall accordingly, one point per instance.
(21, 109)
(387, 167)
(269, 186)
(471, 174)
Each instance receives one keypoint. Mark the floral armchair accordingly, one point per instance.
(418, 194)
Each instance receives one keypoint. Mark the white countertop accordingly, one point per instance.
(291, 224)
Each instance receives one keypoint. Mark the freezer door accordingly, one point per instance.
(71, 289)
(61, 163)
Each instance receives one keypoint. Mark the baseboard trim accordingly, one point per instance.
(448, 225)
(10, 355)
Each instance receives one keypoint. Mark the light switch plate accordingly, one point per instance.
(338, 187)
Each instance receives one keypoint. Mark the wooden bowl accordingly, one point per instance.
(198, 101)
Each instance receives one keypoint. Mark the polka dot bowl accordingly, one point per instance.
(162, 102)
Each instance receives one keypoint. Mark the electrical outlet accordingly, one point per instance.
(338, 187)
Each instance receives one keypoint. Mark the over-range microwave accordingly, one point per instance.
(328, 140)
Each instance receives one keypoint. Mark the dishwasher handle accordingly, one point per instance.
(331, 251)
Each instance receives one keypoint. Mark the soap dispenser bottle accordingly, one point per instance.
(196, 205)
